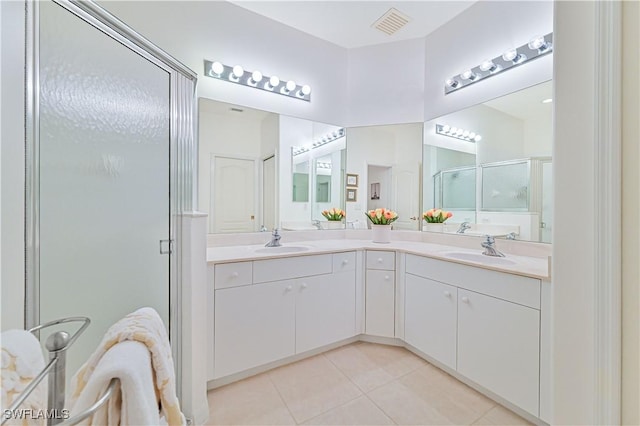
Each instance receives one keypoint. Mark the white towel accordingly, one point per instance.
(134, 401)
(146, 327)
(21, 362)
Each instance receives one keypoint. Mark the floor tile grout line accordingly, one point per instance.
(495, 404)
(330, 409)
(275, 386)
(381, 409)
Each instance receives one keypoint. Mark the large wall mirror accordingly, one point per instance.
(387, 161)
(490, 165)
(259, 170)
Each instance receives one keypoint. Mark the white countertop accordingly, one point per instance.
(533, 267)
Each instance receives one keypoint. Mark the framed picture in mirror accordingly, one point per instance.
(352, 195)
(352, 180)
(375, 191)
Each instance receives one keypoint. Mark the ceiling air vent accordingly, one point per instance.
(391, 21)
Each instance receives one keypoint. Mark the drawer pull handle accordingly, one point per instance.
(379, 260)
(465, 300)
(344, 262)
(289, 288)
(447, 294)
(304, 285)
(235, 275)
(386, 277)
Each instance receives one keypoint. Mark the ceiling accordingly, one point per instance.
(349, 23)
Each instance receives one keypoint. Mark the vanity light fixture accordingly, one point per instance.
(237, 74)
(536, 47)
(328, 138)
(455, 132)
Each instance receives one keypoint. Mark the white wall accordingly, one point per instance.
(484, 30)
(386, 83)
(12, 180)
(631, 214)
(194, 30)
(573, 286)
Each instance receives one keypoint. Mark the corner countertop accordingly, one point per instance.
(533, 267)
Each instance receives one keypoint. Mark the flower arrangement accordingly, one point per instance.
(436, 216)
(382, 216)
(334, 214)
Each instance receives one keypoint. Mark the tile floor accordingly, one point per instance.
(358, 384)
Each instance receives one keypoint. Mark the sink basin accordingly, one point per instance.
(480, 258)
(282, 249)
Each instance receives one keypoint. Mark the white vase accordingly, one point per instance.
(381, 233)
(333, 224)
(434, 227)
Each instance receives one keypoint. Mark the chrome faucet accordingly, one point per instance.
(511, 236)
(489, 247)
(463, 227)
(317, 224)
(275, 239)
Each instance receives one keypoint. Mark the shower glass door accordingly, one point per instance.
(104, 153)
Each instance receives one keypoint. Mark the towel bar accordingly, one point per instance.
(57, 345)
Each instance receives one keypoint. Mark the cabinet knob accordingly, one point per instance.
(386, 277)
(447, 294)
(289, 288)
(235, 275)
(465, 300)
(304, 285)
(379, 260)
(345, 261)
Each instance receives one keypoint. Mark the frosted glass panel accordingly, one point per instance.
(104, 178)
(459, 189)
(505, 187)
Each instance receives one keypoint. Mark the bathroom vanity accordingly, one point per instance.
(483, 320)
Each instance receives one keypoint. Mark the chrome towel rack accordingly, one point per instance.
(57, 345)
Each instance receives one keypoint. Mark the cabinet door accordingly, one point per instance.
(325, 309)
(430, 318)
(380, 303)
(254, 325)
(498, 347)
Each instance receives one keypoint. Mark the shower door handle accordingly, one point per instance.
(166, 246)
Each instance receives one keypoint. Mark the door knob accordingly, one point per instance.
(447, 294)
(304, 285)
(465, 300)
(289, 288)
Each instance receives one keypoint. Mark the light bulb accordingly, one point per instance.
(513, 56)
(472, 135)
(459, 132)
(454, 130)
(468, 75)
(465, 134)
(274, 81)
(538, 43)
(291, 85)
(306, 90)
(478, 138)
(217, 68)
(446, 128)
(256, 77)
(452, 83)
(487, 65)
(238, 71)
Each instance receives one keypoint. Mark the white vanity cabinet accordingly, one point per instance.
(380, 291)
(288, 306)
(483, 324)
(431, 316)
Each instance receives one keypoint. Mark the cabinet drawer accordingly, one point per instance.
(233, 274)
(291, 267)
(514, 288)
(344, 261)
(385, 260)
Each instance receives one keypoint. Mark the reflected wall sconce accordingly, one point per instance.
(538, 46)
(455, 132)
(257, 80)
(328, 138)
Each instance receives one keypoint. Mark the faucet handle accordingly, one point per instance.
(489, 239)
